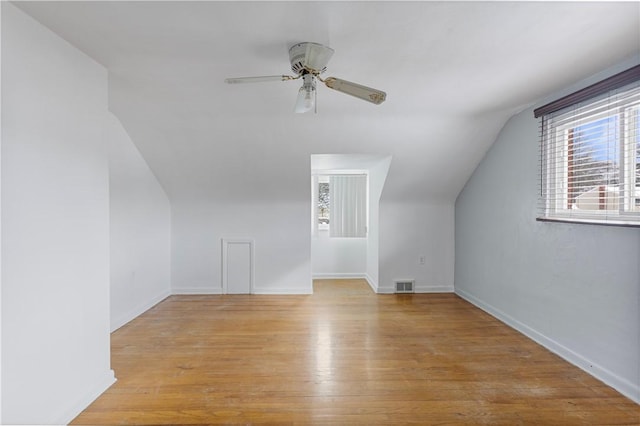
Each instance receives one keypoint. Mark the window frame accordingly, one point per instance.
(322, 178)
(316, 177)
(554, 151)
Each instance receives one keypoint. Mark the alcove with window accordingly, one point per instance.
(341, 203)
(345, 194)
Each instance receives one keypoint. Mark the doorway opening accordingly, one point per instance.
(346, 191)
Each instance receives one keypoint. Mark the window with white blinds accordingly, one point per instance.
(590, 154)
(348, 210)
(341, 204)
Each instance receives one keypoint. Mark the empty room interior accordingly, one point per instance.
(320, 212)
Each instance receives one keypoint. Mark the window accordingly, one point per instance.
(323, 202)
(341, 205)
(590, 155)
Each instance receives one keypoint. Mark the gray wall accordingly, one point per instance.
(410, 230)
(573, 288)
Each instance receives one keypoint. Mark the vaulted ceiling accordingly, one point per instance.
(454, 72)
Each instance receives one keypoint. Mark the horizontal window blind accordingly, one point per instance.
(348, 210)
(590, 160)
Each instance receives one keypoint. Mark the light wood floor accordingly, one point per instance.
(343, 355)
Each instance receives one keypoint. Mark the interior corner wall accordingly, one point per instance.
(409, 231)
(573, 288)
(140, 230)
(282, 244)
(377, 177)
(55, 222)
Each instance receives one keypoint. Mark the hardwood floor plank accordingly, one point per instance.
(343, 355)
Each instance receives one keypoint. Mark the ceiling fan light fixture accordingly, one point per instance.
(309, 56)
(309, 60)
(306, 100)
(318, 56)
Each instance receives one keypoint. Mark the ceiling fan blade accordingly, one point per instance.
(259, 79)
(359, 91)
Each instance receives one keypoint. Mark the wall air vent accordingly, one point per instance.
(405, 286)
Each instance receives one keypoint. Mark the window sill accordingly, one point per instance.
(590, 221)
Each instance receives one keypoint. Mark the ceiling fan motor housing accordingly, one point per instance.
(310, 57)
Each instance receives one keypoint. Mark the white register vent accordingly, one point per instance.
(405, 286)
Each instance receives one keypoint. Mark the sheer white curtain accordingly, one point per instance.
(348, 211)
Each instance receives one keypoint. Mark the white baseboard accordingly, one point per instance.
(372, 283)
(102, 384)
(123, 319)
(433, 289)
(196, 291)
(214, 291)
(420, 288)
(282, 291)
(620, 384)
(340, 276)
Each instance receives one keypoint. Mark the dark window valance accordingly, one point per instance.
(611, 83)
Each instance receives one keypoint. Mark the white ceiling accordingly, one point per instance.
(454, 72)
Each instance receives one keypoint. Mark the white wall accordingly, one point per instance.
(573, 288)
(409, 231)
(338, 257)
(282, 244)
(140, 230)
(55, 221)
(377, 177)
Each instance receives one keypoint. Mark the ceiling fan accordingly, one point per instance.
(308, 61)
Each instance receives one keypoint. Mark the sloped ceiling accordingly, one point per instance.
(454, 73)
